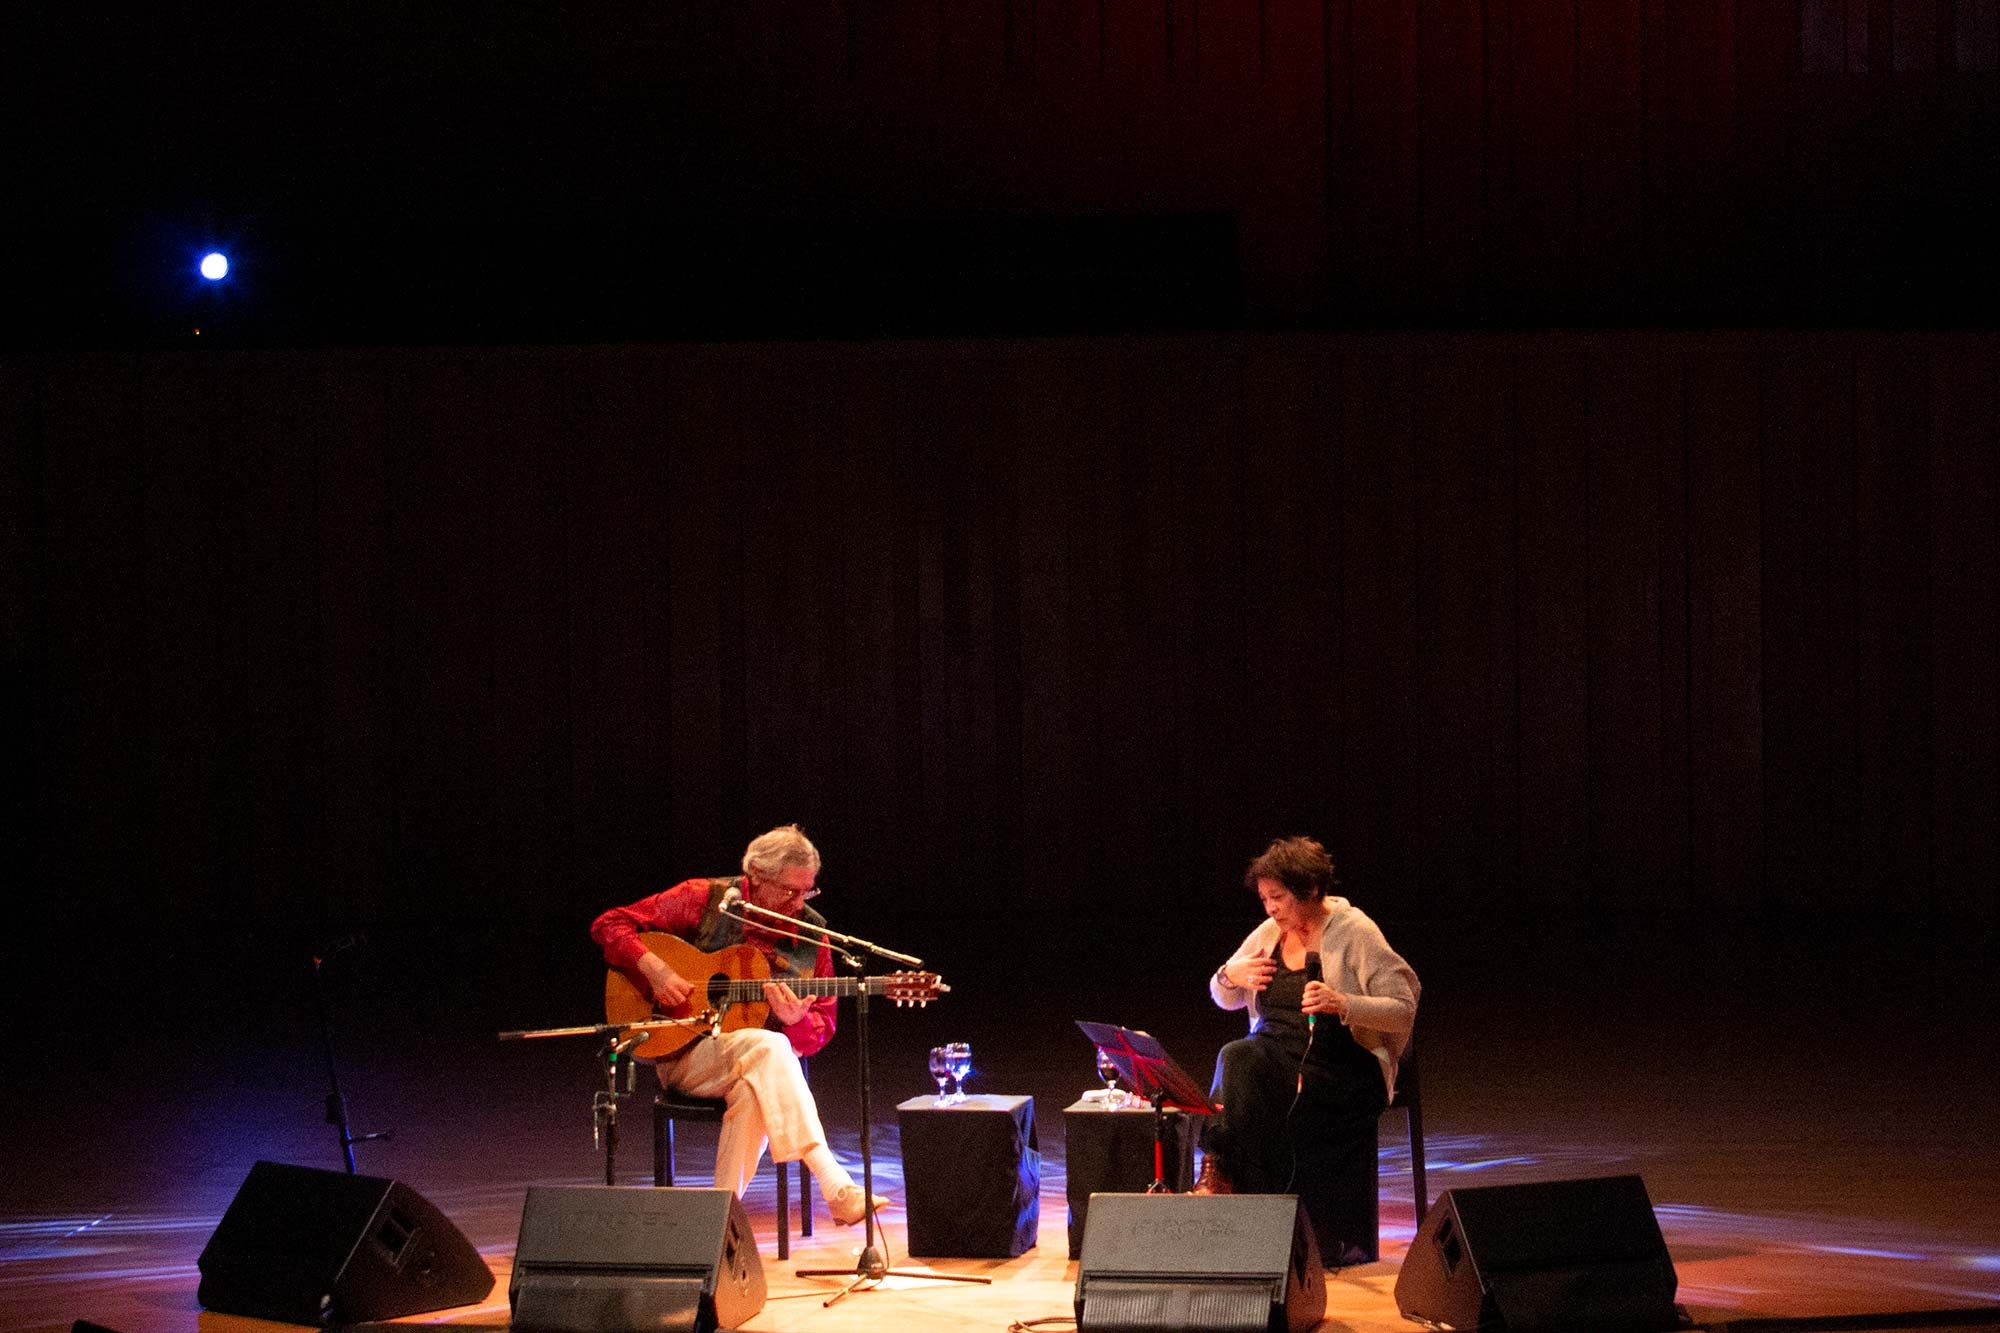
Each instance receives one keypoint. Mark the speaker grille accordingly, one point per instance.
(596, 1303)
(1146, 1307)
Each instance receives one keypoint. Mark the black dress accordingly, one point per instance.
(1317, 1141)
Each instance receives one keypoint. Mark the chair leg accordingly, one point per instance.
(805, 1176)
(785, 1209)
(663, 1145)
(1417, 1190)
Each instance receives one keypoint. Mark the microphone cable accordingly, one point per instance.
(1313, 974)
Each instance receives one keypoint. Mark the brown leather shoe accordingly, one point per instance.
(1211, 1180)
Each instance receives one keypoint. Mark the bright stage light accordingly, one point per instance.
(215, 266)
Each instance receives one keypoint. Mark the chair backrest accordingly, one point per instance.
(1409, 1083)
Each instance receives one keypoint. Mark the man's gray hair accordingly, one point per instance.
(770, 854)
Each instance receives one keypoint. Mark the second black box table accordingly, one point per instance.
(1111, 1152)
(972, 1171)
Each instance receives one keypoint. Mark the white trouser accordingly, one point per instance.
(757, 1073)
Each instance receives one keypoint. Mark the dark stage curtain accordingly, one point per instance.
(1671, 622)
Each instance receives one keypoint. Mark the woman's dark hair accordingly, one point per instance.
(1300, 864)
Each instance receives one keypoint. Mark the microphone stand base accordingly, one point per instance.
(871, 1268)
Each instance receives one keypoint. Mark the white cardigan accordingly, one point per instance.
(1356, 960)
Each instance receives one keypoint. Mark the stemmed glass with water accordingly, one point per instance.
(951, 1063)
(958, 1057)
(941, 1071)
(1107, 1069)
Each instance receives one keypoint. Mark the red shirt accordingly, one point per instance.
(678, 912)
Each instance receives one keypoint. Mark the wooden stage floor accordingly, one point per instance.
(1830, 1243)
(1799, 1168)
(132, 1268)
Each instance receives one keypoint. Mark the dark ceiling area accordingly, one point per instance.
(526, 173)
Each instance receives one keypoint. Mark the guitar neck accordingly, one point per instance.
(733, 979)
(806, 988)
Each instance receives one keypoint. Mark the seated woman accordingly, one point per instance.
(1331, 1009)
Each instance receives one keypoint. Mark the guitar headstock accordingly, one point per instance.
(910, 988)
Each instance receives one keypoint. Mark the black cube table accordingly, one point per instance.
(972, 1174)
(1111, 1152)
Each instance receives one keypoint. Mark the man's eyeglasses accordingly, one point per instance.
(783, 890)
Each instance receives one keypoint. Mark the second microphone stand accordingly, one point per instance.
(336, 1100)
(870, 1266)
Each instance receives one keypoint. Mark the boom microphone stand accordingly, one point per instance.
(336, 1100)
(871, 1266)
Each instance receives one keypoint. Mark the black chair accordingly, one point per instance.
(671, 1106)
(1313, 1186)
(1409, 1099)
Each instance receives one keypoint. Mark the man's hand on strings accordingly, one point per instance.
(786, 1007)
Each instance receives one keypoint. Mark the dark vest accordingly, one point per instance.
(716, 931)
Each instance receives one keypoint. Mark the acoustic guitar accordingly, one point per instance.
(729, 992)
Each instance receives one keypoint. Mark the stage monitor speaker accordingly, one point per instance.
(306, 1246)
(1562, 1254)
(605, 1259)
(1245, 1263)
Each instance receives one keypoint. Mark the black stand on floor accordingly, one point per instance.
(619, 1080)
(336, 1101)
(619, 1041)
(871, 1266)
(1159, 1185)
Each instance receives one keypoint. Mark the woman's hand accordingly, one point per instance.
(1249, 973)
(1321, 998)
(786, 1006)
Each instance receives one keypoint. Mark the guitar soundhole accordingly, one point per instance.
(718, 991)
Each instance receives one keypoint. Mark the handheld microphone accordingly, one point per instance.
(1313, 974)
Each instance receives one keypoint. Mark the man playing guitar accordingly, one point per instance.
(753, 1068)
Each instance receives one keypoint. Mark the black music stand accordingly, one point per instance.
(1152, 1074)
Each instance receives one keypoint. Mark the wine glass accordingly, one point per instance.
(1107, 1069)
(958, 1057)
(941, 1071)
